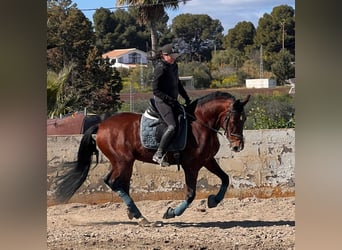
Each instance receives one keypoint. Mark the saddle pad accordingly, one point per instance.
(150, 133)
(148, 130)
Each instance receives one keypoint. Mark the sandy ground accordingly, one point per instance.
(250, 223)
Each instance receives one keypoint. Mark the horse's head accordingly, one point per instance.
(233, 124)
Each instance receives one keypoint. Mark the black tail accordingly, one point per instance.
(68, 183)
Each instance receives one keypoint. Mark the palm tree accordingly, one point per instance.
(56, 103)
(149, 12)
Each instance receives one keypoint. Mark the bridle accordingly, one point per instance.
(226, 130)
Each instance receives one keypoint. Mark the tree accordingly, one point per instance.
(225, 63)
(240, 36)
(271, 30)
(283, 68)
(104, 26)
(200, 72)
(57, 100)
(90, 82)
(119, 29)
(141, 77)
(102, 85)
(69, 35)
(284, 17)
(69, 38)
(149, 13)
(199, 33)
(229, 56)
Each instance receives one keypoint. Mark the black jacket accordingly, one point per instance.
(166, 84)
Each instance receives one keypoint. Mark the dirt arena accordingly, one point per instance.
(249, 223)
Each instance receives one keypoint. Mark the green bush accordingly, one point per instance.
(270, 112)
(200, 72)
(215, 84)
(227, 82)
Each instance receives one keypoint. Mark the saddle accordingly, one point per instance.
(152, 128)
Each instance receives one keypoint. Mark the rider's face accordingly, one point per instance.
(168, 58)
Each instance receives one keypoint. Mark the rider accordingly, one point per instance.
(166, 88)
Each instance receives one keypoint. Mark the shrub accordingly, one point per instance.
(270, 112)
(200, 72)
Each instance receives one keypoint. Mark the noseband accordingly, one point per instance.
(227, 130)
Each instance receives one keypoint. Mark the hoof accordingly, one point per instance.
(170, 213)
(130, 214)
(158, 224)
(211, 201)
(142, 221)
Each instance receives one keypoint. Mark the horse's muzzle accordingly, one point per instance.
(237, 146)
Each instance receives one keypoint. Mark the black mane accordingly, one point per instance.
(204, 99)
(214, 96)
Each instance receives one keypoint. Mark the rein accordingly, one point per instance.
(203, 124)
(226, 130)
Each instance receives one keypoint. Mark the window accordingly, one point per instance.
(134, 58)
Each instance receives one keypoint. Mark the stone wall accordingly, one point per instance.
(265, 168)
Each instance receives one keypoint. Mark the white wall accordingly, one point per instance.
(265, 167)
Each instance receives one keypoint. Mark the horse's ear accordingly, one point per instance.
(238, 104)
(244, 101)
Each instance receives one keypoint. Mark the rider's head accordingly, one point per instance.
(168, 53)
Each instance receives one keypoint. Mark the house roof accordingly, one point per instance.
(120, 52)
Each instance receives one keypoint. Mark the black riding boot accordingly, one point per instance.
(164, 142)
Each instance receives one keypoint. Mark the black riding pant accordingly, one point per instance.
(166, 112)
(167, 115)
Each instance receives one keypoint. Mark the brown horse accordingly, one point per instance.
(118, 138)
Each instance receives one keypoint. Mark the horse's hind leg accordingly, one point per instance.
(214, 168)
(121, 185)
(190, 180)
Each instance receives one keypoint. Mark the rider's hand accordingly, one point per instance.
(175, 103)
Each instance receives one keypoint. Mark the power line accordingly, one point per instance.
(137, 5)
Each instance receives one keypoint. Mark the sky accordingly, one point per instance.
(228, 12)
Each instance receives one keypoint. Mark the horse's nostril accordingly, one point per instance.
(235, 148)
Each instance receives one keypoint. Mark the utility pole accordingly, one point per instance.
(141, 73)
(282, 23)
(131, 108)
(261, 64)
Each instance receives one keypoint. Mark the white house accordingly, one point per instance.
(126, 58)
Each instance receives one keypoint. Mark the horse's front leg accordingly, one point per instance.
(190, 181)
(214, 168)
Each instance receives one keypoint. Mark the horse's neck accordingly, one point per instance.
(210, 114)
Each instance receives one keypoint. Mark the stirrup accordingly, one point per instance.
(164, 162)
(161, 161)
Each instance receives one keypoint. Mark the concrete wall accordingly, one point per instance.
(265, 168)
